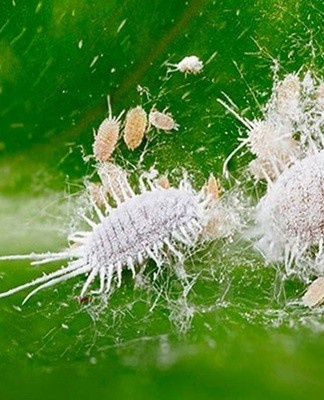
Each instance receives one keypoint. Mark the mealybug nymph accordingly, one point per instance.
(106, 138)
(189, 65)
(135, 127)
(162, 120)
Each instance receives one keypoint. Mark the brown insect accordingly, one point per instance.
(314, 295)
(212, 188)
(163, 182)
(162, 120)
(106, 138)
(215, 227)
(83, 299)
(135, 127)
(97, 193)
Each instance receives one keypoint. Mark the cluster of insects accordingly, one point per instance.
(160, 219)
(155, 222)
(137, 124)
(288, 148)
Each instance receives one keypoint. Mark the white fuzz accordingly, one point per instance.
(188, 65)
(143, 226)
(288, 94)
(292, 126)
(290, 216)
(271, 141)
(114, 181)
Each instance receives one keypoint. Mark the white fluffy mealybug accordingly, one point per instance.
(135, 127)
(145, 226)
(106, 138)
(271, 141)
(162, 120)
(292, 126)
(287, 97)
(189, 65)
(290, 217)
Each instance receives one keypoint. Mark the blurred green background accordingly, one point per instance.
(241, 333)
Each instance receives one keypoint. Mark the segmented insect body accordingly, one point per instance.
(188, 65)
(162, 120)
(275, 158)
(106, 138)
(288, 96)
(97, 193)
(135, 127)
(114, 181)
(290, 216)
(212, 188)
(142, 227)
(271, 141)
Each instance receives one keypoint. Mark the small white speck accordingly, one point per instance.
(80, 44)
(94, 61)
(14, 3)
(121, 25)
(29, 355)
(73, 13)
(93, 360)
(113, 70)
(64, 326)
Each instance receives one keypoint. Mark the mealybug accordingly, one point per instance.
(162, 120)
(189, 65)
(149, 225)
(135, 127)
(106, 138)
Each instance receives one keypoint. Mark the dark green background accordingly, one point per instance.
(249, 338)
